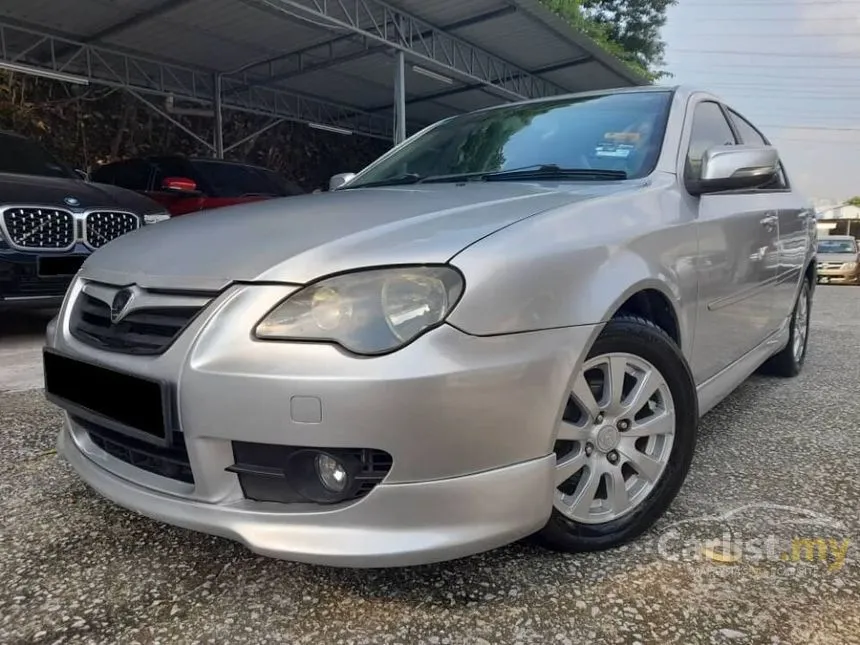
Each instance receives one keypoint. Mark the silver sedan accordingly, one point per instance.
(508, 325)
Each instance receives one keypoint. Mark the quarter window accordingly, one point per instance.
(749, 134)
(710, 128)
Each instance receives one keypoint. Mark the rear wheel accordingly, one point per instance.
(790, 360)
(625, 441)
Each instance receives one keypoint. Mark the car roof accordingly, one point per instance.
(227, 162)
(155, 158)
(681, 91)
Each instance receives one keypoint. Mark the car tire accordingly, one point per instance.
(789, 362)
(644, 342)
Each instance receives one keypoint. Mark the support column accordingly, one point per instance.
(399, 98)
(219, 118)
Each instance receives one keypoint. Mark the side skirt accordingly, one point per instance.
(719, 386)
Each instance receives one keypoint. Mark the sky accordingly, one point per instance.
(792, 67)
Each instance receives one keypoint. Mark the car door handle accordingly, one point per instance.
(769, 221)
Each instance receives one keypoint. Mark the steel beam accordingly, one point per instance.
(176, 122)
(400, 99)
(111, 67)
(219, 116)
(133, 21)
(435, 96)
(123, 25)
(421, 41)
(338, 50)
(254, 134)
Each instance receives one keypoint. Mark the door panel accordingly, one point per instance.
(796, 222)
(737, 268)
(796, 225)
(738, 255)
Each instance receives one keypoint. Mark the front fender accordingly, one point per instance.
(559, 271)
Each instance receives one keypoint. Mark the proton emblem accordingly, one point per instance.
(120, 303)
(72, 201)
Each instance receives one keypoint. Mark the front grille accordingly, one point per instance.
(171, 462)
(39, 228)
(263, 475)
(105, 226)
(145, 331)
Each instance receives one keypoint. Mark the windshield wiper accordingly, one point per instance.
(553, 171)
(535, 171)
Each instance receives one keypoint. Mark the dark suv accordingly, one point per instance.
(187, 184)
(51, 220)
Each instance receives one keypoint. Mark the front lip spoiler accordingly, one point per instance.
(396, 525)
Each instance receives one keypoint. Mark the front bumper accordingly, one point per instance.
(838, 277)
(396, 525)
(468, 421)
(23, 287)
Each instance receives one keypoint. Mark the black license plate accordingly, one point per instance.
(61, 266)
(129, 404)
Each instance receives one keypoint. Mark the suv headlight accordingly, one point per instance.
(849, 266)
(367, 312)
(154, 218)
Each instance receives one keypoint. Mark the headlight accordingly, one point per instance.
(367, 312)
(849, 266)
(154, 218)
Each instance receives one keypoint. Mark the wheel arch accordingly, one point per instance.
(657, 301)
(654, 305)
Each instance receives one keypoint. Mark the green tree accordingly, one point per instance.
(630, 29)
(634, 24)
(854, 201)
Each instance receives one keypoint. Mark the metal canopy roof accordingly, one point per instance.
(327, 62)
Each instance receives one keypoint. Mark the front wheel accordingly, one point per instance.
(625, 441)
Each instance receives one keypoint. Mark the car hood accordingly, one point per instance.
(298, 239)
(837, 257)
(53, 191)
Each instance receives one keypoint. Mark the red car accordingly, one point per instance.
(186, 185)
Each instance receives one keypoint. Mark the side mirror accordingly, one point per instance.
(735, 168)
(179, 185)
(339, 180)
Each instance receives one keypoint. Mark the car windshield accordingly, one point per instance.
(236, 180)
(24, 157)
(613, 135)
(837, 246)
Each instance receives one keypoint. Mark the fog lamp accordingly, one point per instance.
(331, 472)
(323, 477)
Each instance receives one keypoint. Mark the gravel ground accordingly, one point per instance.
(21, 340)
(778, 460)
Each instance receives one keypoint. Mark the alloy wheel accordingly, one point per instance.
(801, 324)
(615, 438)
